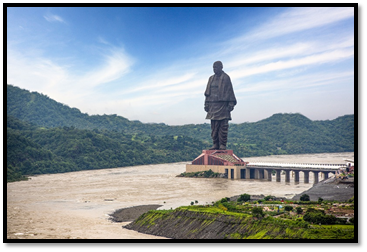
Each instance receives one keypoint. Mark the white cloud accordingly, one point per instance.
(160, 81)
(115, 64)
(33, 73)
(299, 82)
(316, 59)
(54, 18)
(299, 19)
(60, 82)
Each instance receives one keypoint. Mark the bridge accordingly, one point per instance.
(263, 170)
(225, 161)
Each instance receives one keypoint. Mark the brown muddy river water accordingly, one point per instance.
(77, 205)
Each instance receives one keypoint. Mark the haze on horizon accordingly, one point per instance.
(153, 64)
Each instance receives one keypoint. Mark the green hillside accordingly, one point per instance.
(44, 136)
(36, 150)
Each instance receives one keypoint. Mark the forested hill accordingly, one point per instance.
(37, 150)
(43, 111)
(44, 133)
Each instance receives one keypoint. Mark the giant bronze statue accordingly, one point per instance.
(219, 102)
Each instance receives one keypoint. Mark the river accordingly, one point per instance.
(77, 205)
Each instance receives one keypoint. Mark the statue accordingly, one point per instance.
(219, 102)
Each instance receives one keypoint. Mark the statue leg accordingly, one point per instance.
(215, 130)
(222, 134)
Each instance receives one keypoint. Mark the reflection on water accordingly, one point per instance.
(77, 204)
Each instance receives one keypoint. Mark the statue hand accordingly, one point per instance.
(206, 108)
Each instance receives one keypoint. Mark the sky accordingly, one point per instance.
(152, 64)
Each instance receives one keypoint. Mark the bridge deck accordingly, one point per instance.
(295, 166)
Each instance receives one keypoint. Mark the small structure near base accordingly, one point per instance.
(221, 161)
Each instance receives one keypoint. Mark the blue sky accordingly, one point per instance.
(153, 64)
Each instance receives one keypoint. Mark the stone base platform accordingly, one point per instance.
(221, 161)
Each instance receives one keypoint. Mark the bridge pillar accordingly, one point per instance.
(326, 175)
(287, 176)
(268, 174)
(278, 175)
(248, 173)
(296, 176)
(256, 173)
(261, 174)
(315, 177)
(306, 176)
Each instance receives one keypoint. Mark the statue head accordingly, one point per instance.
(217, 67)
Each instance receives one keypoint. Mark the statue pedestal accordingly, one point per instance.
(221, 161)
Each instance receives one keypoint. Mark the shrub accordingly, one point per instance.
(313, 210)
(299, 210)
(224, 200)
(244, 197)
(319, 217)
(229, 206)
(208, 174)
(221, 206)
(257, 211)
(288, 208)
(351, 220)
(320, 200)
(304, 197)
(269, 197)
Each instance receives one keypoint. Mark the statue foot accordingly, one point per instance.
(222, 147)
(215, 147)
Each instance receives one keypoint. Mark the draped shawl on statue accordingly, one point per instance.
(225, 89)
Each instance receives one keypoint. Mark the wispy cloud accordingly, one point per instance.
(54, 18)
(302, 82)
(316, 59)
(114, 65)
(296, 20)
(59, 81)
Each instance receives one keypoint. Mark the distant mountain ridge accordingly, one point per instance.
(278, 134)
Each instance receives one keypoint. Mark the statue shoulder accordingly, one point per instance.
(226, 76)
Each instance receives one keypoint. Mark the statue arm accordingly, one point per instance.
(206, 106)
(231, 106)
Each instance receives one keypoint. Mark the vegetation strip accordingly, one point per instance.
(239, 219)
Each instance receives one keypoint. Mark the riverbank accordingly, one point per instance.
(131, 213)
(240, 222)
(330, 189)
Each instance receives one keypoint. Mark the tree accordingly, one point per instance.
(244, 197)
(257, 211)
(320, 200)
(304, 197)
(299, 210)
(288, 208)
(267, 198)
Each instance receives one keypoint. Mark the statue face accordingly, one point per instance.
(217, 68)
